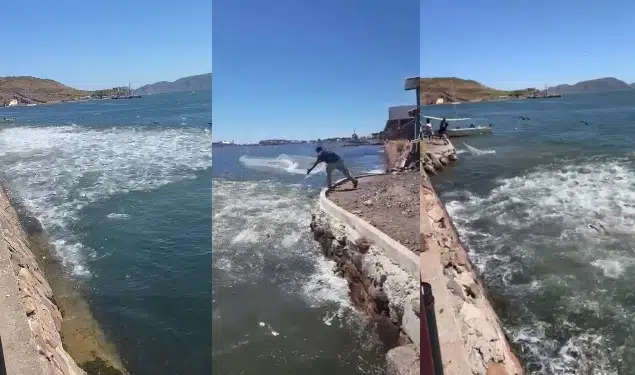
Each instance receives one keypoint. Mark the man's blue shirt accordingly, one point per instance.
(328, 157)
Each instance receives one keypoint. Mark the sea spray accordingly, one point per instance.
(283, 163)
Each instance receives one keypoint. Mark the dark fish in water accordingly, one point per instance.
(584, 122)
(599, 228)
(524, 118)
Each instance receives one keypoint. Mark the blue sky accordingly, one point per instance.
(100, 44)
(298, 69)
(514, 44)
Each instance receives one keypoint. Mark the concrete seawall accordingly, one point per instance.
(30, 321)
(471, 338)
(46, 325)
(383, 280)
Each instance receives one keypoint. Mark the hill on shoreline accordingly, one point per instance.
(453, 89)
(599, 85)
(32, 90)
(191, 83)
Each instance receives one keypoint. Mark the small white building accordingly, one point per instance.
(440, 101)
(12, 103)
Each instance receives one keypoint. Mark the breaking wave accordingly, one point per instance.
(58, 170)
(557, 244)
(283, 163)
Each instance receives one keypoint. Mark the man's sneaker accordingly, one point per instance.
(354, 184)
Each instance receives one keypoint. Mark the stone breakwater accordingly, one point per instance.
(379, 288)
(51, 327)
(435, 157)
(470, 334)
(44, 348)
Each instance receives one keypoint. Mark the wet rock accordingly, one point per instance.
(387, 331)
(381, 301)
(356, 259)
(32, 226)
(362, 245)
(473, 290)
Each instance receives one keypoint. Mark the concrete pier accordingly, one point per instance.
(471, 338)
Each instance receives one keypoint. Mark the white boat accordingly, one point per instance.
(7, 120)
(467, 132)
(460, 127)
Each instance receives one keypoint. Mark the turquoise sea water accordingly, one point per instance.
(123, 188)
(532, 210)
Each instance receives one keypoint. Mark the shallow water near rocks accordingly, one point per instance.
(549, 221)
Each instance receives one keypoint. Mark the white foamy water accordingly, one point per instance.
(261, 230)
(559, 243)
(283, 163)
(57, 171)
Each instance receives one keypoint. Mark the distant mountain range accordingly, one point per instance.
(592, 86)
(192, 83)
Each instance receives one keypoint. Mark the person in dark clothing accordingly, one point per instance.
(443, 129)
(333, 161)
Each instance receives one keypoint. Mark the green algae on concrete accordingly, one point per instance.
(99, 367)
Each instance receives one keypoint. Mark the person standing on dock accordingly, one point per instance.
(443, 130)
(428, 130)
(333, 161)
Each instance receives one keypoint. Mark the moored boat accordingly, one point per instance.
(467, 132)
(455, 129)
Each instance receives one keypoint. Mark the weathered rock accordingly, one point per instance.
(443, 160)
(412, 326)
(436, 163)
(429, 169)
(456, 289)
(362, 245)
(374, 287)
(403, 360)
(496, 369)
(453, 157)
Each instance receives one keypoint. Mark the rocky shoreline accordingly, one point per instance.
(379, 288)
(471, 337)
(65, 338)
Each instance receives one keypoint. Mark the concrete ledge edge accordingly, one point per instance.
(395, 251)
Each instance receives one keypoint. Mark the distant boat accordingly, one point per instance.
(130, 95)
(8, 120)
(467, 131)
